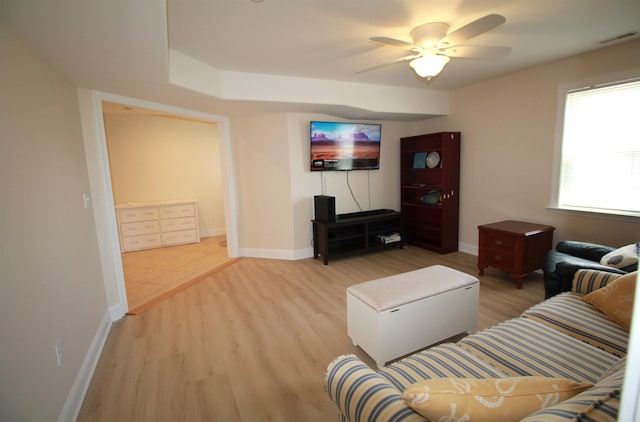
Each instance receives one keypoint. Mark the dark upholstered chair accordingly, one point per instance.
(570, 256)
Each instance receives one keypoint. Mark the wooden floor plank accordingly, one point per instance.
(252, 341)
(152, 275)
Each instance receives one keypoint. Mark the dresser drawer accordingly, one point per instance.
(183, 236)
(175, 224)
(499, 241)
(137, 214)
(134, 243)
(174, 211)
(142, 227)
(156, 224)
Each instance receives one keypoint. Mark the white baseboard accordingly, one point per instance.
(80, 385)
(467, 248)
(288, 254)
(304, 253)
(116, 312)
(284, 254)
(213, 232)
(295, 254)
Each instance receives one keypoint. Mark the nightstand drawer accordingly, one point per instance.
(500, 259)
(517, 247)
(499, 241)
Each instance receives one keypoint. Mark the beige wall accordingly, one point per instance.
(51, 284)
(154, 158)
(276, 187)
(508, 127)
(261, 162)
(372, 189)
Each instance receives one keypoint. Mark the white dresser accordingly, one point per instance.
(146, 225)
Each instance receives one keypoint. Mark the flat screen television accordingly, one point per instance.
(345, 146)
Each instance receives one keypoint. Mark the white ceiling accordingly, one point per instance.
(123, 46)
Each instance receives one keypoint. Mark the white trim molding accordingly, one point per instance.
(96, 156)
(76, 395)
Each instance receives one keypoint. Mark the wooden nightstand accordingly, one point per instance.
(513, 246)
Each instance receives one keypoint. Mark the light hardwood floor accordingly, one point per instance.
(251, 342)
(151, 275)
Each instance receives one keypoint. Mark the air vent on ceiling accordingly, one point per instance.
(618, 37)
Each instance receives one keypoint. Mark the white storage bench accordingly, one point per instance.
(393, 316)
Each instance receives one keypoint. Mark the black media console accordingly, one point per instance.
(356, 233)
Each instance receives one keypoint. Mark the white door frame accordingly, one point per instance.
(95, 145)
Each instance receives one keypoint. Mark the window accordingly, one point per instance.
(599, 165)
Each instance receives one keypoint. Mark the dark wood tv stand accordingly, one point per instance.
(356, 233)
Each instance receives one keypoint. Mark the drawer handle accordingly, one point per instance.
(497, 257)
(498, 242)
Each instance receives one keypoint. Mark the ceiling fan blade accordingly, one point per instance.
(478, 52)
(392, 42)
(473, 29)
(378, 66)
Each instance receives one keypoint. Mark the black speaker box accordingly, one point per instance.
(325, 208)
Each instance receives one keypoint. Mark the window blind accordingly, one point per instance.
(600, 168)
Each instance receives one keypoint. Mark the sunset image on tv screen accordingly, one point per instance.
(345, 146)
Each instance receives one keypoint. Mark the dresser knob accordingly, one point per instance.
(498, 242)
(497, 257)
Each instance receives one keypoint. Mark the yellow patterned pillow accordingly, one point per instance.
(494, 399)
(615, 300)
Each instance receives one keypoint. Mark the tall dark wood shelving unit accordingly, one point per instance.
(433, 227)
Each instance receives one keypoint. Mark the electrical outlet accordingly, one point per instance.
(58, 348)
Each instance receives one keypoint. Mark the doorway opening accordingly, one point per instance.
(102, 189)
(154, 159)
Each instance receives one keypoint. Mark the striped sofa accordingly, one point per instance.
(562, 337)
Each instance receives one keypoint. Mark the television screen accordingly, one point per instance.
(345, 146)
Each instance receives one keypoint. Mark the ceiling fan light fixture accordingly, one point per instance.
(429, 65)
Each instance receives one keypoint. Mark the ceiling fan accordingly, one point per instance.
(433, 47)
